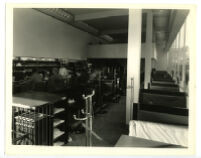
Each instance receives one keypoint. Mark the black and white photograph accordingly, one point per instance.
(101, 77)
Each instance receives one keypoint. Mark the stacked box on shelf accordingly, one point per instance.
(32, 125)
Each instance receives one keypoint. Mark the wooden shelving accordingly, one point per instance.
(48, 107)
(58, 110)
(58, 143)
(57, 122)
(57, 133)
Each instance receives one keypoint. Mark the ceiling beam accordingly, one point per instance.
(171, 19)
(107, 37)
(114, 31)
(87, 27)
(103, 14)
(117, 31)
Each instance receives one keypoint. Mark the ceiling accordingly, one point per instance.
(161, 22)
(80, 11)
(111, 25)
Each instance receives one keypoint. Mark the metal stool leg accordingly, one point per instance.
(88, 118)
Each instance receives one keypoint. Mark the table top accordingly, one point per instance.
(129, 141)
(33, 98)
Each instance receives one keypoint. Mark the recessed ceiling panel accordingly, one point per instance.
(116, 22)
(120, 38)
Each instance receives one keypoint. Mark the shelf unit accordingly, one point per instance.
(59, 133)
(50, 129)
(23, 66)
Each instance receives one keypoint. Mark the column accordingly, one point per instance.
(178, 56)
(149, 48)
(133, 61)
(182, 44)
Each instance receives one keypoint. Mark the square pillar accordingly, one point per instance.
(149, 49)
(133, 61)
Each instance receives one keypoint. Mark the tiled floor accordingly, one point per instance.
(108, 126)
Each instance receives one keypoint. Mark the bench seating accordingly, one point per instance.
(162, 98)
(161, 76)
(164, 87)
(161, 106)
(163, 82)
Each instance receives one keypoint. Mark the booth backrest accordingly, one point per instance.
(161, 76)
(166, 84)
(164, 87)
(168, 99)
(160, 114)
(152, 116)
(163, 82)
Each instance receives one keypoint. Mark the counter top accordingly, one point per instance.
(33, 98)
